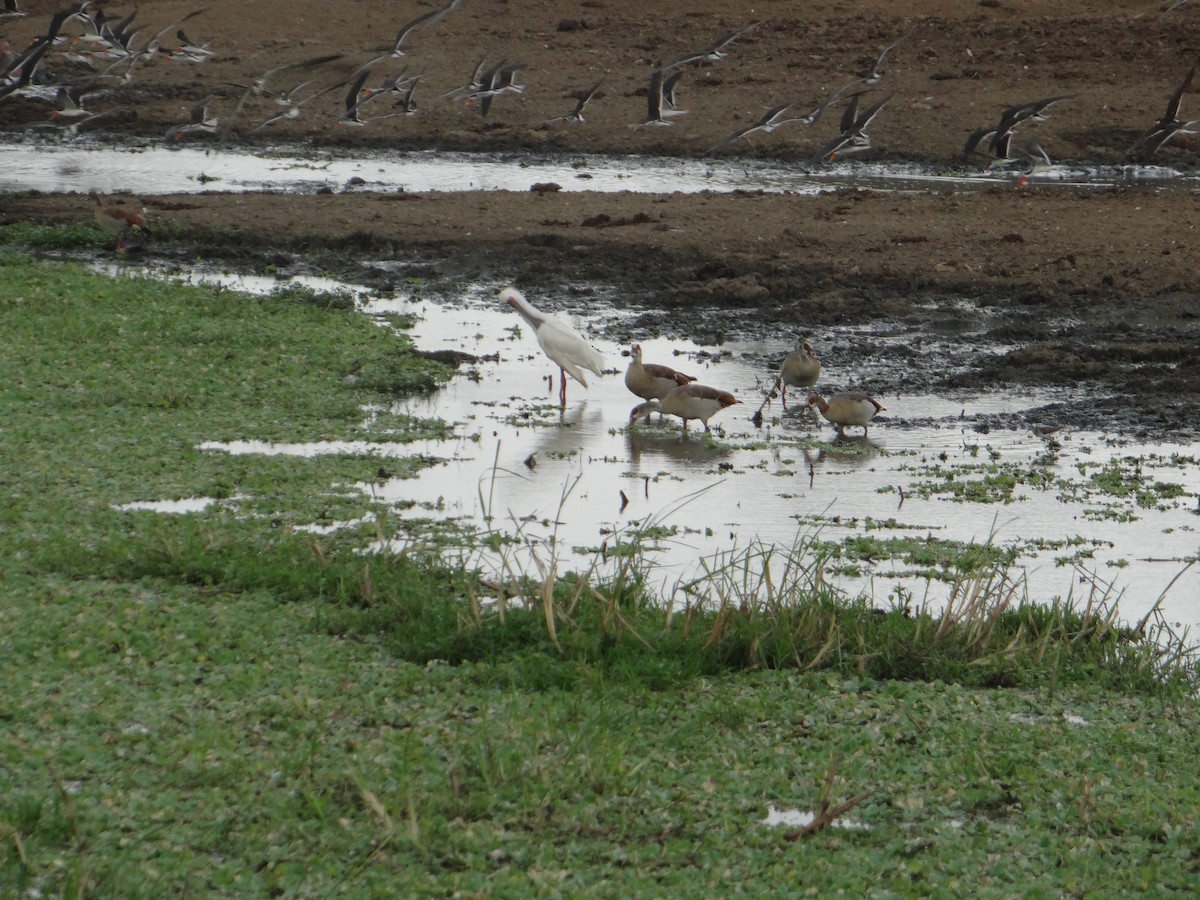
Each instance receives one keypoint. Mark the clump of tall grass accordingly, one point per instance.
(774, 607)
(517, 619)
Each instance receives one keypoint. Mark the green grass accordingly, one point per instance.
(217, 704)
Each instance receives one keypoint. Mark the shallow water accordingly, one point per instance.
(89, 164)
(573, 482)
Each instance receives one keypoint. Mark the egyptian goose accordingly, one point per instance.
(688, 401)
(565, 346)
(118, 221)
(800, 368)
(845, 410)
(652, 381)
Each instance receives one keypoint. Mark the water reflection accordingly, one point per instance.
(578, 478)
(667, 443)
(848, 451)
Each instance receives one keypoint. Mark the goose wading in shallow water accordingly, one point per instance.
(652, 381)
(688, 401)
(566, 347)
(800, 368)
(853, 409)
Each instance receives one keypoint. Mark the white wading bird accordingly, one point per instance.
(559, 341)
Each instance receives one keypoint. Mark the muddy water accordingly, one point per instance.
(86, 165)
(578, 483)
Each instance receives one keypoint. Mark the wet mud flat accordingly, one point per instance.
(1006, 289)
(942, 481)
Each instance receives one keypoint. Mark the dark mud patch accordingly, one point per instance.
(1095, 298)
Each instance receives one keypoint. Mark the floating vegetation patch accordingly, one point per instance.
(928, 557)
(964, 483)
(1127, 478)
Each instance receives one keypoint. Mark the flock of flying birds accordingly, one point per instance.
(106, 51)
(670, 392)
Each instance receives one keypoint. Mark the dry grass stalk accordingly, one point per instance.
(827, 813)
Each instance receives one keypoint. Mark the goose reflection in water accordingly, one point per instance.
(567, 435)
(852, 451)
(666, 445)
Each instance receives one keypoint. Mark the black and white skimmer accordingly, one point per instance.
(398, 84)
(979, 142)
(670, 98)
(576, 115)
(70, 102)
(875, 74)
(777, 117)
(500, 79)
(711, 53)
(475, 84)
(1039, 160)
(656, 111)
(152, 47)
(198, 121)
(1168, 125)
(356, 98)
(853, 137)
(259, 85)
(427, 18)
(190, 49)
(20, 68)
(1034, 111)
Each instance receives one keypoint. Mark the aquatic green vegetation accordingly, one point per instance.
(245, 700)
(971, 483)
(55, 237)
(931, 557)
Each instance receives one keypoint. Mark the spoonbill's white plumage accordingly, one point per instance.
(566, 347)
(688, 401)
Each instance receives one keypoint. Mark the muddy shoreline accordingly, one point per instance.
(995, 281)
(1010, 288)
